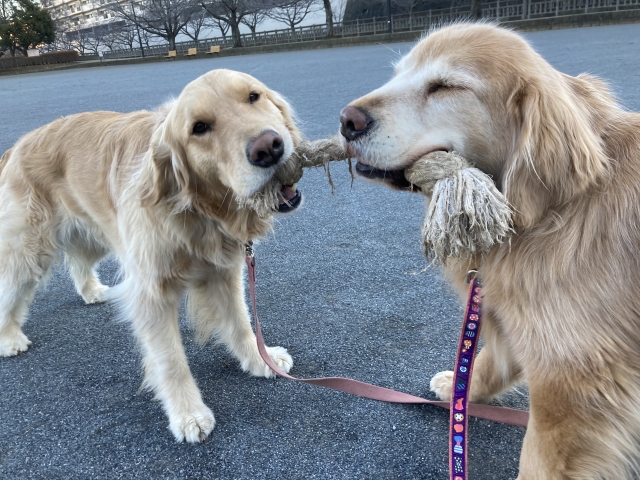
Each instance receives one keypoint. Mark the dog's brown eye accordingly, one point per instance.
(200, 128)
(253, 97)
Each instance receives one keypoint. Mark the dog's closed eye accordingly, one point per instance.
(444, 85)
(200, 128)
(434, 87)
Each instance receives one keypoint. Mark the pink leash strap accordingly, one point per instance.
(362, 389)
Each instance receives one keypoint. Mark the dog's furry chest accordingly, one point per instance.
(205, 244)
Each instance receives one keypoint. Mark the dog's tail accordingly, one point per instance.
(4, 159)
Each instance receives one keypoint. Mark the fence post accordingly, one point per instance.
(617, 4)
(358, 26)
(498, 10)
(586, 5)
(374, 25)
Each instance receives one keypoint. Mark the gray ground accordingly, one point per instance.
(340, 285)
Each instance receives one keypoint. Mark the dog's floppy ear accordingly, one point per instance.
(167, 160)
(557, 151)
(288, 115)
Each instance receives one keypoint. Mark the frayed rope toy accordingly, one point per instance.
(466, 214)
(308, 154)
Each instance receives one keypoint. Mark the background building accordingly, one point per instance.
(73, 15)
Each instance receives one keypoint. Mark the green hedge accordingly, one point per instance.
(51, 58)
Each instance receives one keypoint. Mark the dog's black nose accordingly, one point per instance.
(355, 122)
(266, 149)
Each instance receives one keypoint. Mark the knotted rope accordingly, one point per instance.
(466, 214)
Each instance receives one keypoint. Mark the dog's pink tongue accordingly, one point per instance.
(286, 193)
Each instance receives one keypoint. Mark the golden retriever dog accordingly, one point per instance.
(562, 297)
(167, 192)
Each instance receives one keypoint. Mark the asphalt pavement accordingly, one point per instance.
(340, 284)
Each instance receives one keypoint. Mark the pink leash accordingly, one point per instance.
(462, 378)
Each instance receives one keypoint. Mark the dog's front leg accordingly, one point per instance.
(217, 309)
(153, 311)
(495, 368)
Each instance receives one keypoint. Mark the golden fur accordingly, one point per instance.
(165, 201)
(562, 298)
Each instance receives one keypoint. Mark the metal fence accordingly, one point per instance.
(508, 10)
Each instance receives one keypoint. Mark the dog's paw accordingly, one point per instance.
(95, 294)
(13, 343)
(281, 358)
(441, 385)
(194, 426)
(258, 368)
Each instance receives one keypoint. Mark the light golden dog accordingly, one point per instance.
(562, 298)
(166, 192)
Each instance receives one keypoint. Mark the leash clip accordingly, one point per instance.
(248, 249)
(471, 274)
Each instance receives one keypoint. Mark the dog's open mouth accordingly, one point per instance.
(392, 178)
(289, 198)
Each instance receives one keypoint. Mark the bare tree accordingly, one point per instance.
(252, 20)
(111, 41)
(161, 18)
(62, 41)
(329, 17)
(93, 41)
(293, 12)
(79, 40)
(338, 7)
(122, 38)
(148, 38)
(232, 12)
(6, 10)
(220, 25)
(119, 35)
(197, 21)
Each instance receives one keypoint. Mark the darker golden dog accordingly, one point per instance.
(562, 297)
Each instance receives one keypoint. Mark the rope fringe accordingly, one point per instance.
(466, 214)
